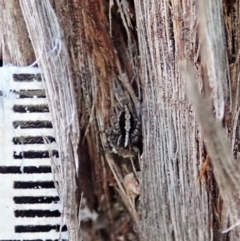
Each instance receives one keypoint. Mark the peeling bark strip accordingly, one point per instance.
(225, 169)
(52, 55)
(213, 53)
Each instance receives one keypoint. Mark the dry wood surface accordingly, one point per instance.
(115, 74)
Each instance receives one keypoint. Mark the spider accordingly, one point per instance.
(124, 138)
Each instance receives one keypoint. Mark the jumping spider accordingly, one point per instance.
(125, 138)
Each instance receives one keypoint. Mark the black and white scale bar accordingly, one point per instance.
(34, 154)
(24, 169)
(33, 185)
(29, 93)
(27, 77)
(38, 228)
(30, 206)
(31, 213)
(32, 124)
(17, 140)
(35, 200)
(33, 240)
(30, 108)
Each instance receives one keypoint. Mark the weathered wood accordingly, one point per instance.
(53, 59)
(225, 168)
(95, 63)
(172, 156)
(16, 45)
(173, 199)
(91, 63)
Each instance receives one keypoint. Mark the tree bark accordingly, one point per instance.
(16, 47)
(110, 62)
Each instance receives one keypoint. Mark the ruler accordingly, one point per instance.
(29, 204)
